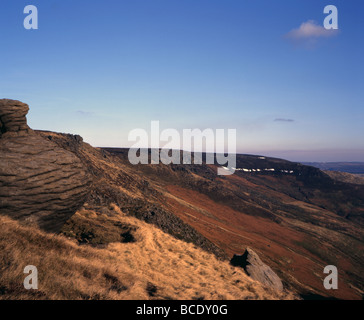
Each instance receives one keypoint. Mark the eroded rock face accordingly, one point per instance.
(257, 270)
(40, 183)
(12, 117)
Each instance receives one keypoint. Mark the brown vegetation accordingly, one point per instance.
(152, 266)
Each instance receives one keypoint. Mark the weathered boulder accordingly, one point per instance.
(40, 183)
(12, 117)
(257, 270)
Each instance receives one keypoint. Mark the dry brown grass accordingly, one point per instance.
(154, 266)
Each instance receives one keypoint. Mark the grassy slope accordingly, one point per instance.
(148, 264)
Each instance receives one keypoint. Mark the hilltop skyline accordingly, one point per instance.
(267, 69)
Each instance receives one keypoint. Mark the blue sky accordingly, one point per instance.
(102, 68)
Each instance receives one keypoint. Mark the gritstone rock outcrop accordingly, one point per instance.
(40, 183)
(256, 269)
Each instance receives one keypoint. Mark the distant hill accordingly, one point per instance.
(346, 177)
(349, 167)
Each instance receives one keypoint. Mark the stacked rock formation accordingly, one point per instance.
(40, 183)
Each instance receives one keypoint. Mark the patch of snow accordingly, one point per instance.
(259, 170)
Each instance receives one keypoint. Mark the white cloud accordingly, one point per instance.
(310, 30)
